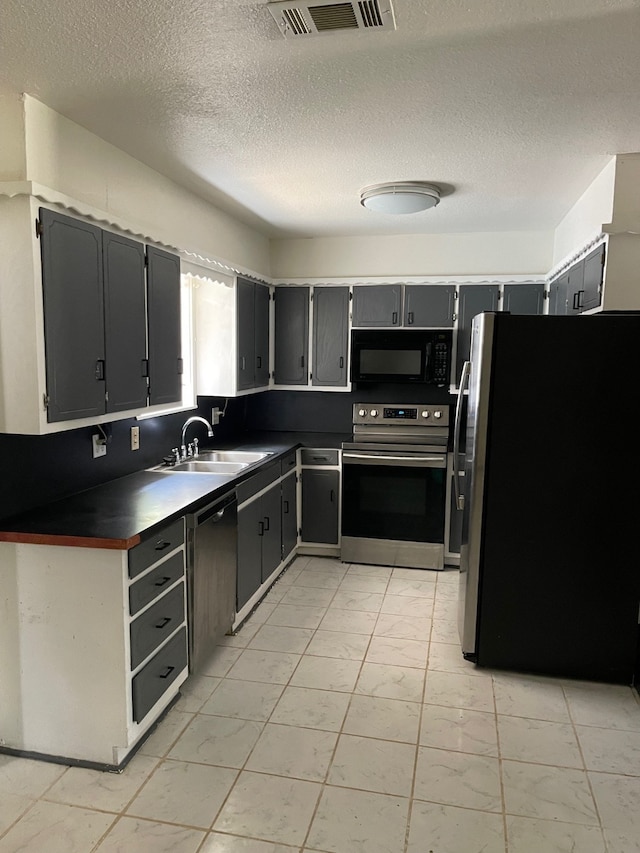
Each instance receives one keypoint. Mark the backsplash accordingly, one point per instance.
(36, 470)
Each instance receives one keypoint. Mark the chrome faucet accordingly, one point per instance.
(183, 449)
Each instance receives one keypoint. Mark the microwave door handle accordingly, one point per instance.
(464, 379)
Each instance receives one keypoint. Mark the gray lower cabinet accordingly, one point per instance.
(259, 542)
(524, 298)
(330, 336)
(473, 299)
(291, 335)
(252, 334)
(429, 305)
(377, 305)
(320, 490)
(289, 519)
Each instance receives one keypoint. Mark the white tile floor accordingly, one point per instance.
(342, 718)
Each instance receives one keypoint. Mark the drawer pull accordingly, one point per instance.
(163, 581)
(168, 672)
(320, 458)
(161, 544)
(164, 622)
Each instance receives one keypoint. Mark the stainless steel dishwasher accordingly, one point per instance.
(212, 546)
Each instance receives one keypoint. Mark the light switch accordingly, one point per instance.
(135, 438)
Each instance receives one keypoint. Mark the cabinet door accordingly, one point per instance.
(473, 299)
(575, 288)
(524, 298)
(558, 293)
(124, 323)
(73, 317)
(377, 305)
(320, 506)
(250, 535)
(289, 521)
(292, 335)
(261, 313)
(593, 272)
(163, 317)
(429, 305)
(330, 335)
(246, 334)
(272, 538)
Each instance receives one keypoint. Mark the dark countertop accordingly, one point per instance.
(116, 514)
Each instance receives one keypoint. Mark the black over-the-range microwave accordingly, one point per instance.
(396, 355)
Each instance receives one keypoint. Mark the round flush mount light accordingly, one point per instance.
(400, 197)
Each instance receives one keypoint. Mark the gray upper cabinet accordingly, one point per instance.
(163, 317)
(524, 298)
(291, 335)
(377, 305)
(473, 299)
(73, 316)
(330, 335)
(575, 288)
(592, 283)
(253, 334)
(261, 313)
(558, 294)
(124, 322)
(429, 305)
(246, 334)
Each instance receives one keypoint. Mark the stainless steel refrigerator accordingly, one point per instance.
(550, 573)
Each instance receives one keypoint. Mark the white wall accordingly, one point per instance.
(626, 209)
(64, 156)
(583, 223)
(510, 253)
(12, 150)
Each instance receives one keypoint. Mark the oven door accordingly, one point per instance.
(393, 508)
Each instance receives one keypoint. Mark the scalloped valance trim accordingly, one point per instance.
(47, 195)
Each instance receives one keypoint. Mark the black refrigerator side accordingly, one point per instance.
(553, 498)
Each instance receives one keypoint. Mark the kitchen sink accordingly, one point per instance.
(215, 462)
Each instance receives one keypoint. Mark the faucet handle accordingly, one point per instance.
(176, 455)
(190, 449)
(195, 447)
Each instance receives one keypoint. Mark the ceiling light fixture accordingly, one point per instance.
(400, 197)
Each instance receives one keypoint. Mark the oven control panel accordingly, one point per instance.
(410, 415)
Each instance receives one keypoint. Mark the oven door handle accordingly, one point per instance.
(464, 379)
(395, 461)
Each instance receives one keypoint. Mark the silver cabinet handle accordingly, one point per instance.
(464, 378)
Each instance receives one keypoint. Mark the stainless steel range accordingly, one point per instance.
(394, 481)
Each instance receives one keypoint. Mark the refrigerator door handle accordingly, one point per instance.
(464, 379)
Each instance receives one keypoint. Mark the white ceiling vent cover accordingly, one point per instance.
(311, 18)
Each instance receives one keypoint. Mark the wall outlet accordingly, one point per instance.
(135, 438)
(215, 416)
(99, 445)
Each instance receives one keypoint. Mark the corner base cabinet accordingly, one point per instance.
(93, 647)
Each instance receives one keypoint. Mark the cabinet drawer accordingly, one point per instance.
(313, 456)
(287, 463)
(258, 482)
(155, 624)
(156, 546)
(161, 671)
(142, 592)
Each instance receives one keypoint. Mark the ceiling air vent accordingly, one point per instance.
(312, 18)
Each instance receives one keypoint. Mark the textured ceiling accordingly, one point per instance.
(513, 106)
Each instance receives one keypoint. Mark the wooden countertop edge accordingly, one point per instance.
(70, 541)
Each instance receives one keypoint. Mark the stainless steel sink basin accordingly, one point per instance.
(198, 466)
(246, 457)
(228, 462)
